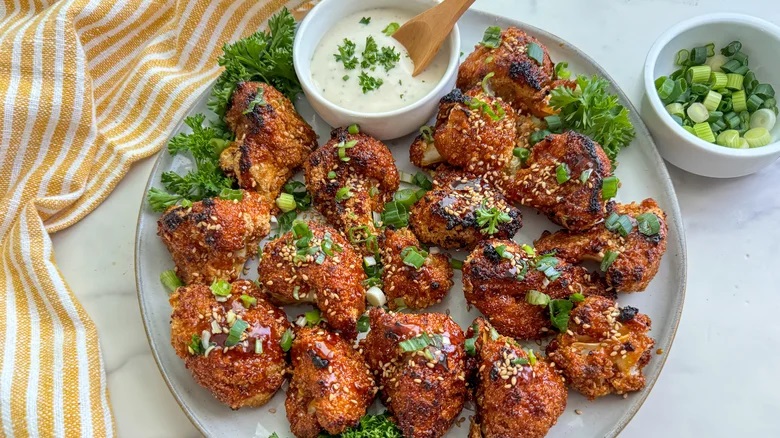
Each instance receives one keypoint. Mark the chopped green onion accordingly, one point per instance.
(765, 91)
(485, 86)
(732, 119)
(416, 343)
(331, 175)
(682, 57)
(714, 116)
(554, 123)
(405, 177)
(522, 154)
(609, 187)
(675, 109)
(741, 57)
(729, 138)
(353, 129)
(471, 346)
(532, 356)
(698, 57)
(538, 136)
(231, 195)
(700, 89)
(704, 132)
(456, 264)
(287, 340)
(699, 74)
(535, 52)
(710, 49)
(536, 298)
(576, 297)
(236, 330)
(547, 265)
(407, 197)
(248, 301)
(170, 280)
(343, 193)
(529, 250)
(220, 288)
(562, 70)
(732, 48)
(763, 118)
(718, 80)
(395, 215)
(712, 100)
(414, 257)
(493, 333)
(648, 224)
(624, 225)
(698, 113)
(286, 202)
(739, 101)
(501, 250)
(562, 173)
(363, 324)
(195, 346)
(734, 81)
(313, 317)
(585, 175)
(421, 180)
(754, 102)
(609, 258)
(664, 88)
(391, 28)
(758, 137)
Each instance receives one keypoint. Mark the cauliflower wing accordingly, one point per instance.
(638, 254)
(406, 285)
(237, 374)
(331, 385)
(424, 388)
(518, 79)
(605, 348)
(573, 204)
(272, 140)
(448, 216)
(497, 285)
(213, 238)
(517, 394)
(297, 268)
(350, 177)
(475, 131)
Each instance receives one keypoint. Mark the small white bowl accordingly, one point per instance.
(384, 125)
(761, 42)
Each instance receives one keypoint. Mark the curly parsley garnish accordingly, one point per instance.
(346, 55)
(490, 218)
(368, 83)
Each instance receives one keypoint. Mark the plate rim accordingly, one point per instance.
(641, 130)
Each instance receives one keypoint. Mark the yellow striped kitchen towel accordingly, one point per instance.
(87, 87)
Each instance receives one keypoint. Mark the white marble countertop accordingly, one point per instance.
(732, 226)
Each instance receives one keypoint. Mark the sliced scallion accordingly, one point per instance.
(536, 298)
(758, 137)
(704, 132)
(698, 113)
(535, 52)
(718, 80)
(682, 57)
(729, 138)
(287, 340)
(248, 300)
(732, 48)
(363, 324)
(763, 118)
(609, 187)
(609, 258)
(739, 101)
(286, 202)
(554, 123)
(456, 264)
(648, 224)
(754, 103)
(220, 288)
(676, 109)
(170, 280)
(413, 256)
(585, 175)
(699, 74)
(562, 173)
(236, 330)
(712, 100)
(734, 81)
(353, 129)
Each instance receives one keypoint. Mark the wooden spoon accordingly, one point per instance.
(423, 35)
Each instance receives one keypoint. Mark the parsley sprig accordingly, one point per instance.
(559, 309)
(490, 218)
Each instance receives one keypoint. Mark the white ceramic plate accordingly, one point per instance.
(642, 173)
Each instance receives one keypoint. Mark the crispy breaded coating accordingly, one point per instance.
(272, 140)
(425, 389)
(296, 269)
(638, 255)
(237, 374)
(607, 349)
(497, 286)
(406, 285)
(517, 395)
(572, 204)
(331, 385)
(520, 80)
(363, 180)
(447, 215)
(475, 131)
(213, 238)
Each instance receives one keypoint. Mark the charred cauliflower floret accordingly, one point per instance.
(575, 200)
(605, 348)
(331, 385)
(272, 140)
(461, 210)
(213, 238)
(314, 263)
(420, 363)
(350, 177)
(412, 277)
(475, 131)
(632, 240)
(521, 80)
(498, 276)
(422, 152)
(518, 394)
(229, 338)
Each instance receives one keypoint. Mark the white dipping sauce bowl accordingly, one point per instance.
(385, 125)
(761, 42)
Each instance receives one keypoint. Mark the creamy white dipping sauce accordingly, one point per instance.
(342, 86)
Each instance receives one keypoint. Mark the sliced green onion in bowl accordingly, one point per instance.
(682, 57)
(698, 113)
(763, 118)
(704, 132)
(712, 100)
(718, 80)
(734, 81)
(676, 109)
(754, 103)
(170, 280)
(739, 101)
(729, 138)
(699, 74)
(758, 137)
